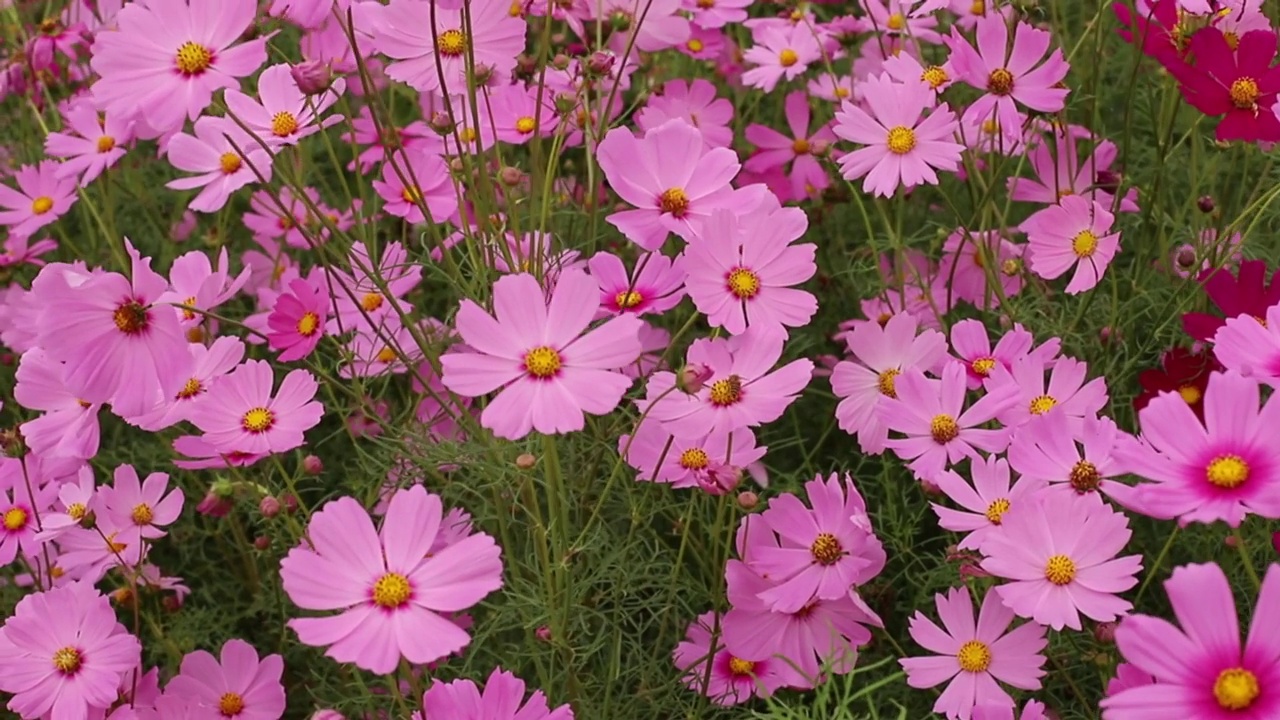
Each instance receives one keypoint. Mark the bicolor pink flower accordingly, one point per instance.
(972, 345)
(243, 416)
(1059, 556)
(63, 654)
(939, 430)
(1047, 451)
(297, 321)
(740, 269)
(502, 699)
(682, 181)
(283, 114)
(694, 102)
(1076, 231)
(489, 35)
(42, 197)
(1250, 347)
(1066, 391)
(414, 180)
(20, 515)
(732, 680)
(392, 590)
(1199, 668)
(655, 286)
(780, 52)
(234, 685)
(224, 157)
(659, 456)
(165, 59)
(94, 144)
(986, 501)
(549, 367)
(819, 553)
(807, 176)
(209, 363)
(903, 146)
(1221, 469)
(973, 658)
(69, 426)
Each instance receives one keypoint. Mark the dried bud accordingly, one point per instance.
(312, 76)
(620, 21)
(748, 500)
(600, 63)
(171, 603)
(312, 465)
(1105, 633)
(262, 542)
(89, 520)
(511, 177)
(12, 444)
(442, 123)
(693, 377)
(560, 61)
(269, 507)
(526, 66)
(124, 597)
(525, 461)
(484, 73)
(1206, 204)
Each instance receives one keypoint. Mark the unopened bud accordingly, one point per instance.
(525, 461)
(312, 76)
(526, 66)
(1231, 541)
(290, 502)
(269, 507)
(1105, 633)
(484, 73)
(1206, 204)
(262, 542)
(1106, 334)
(931, 488)
(819, 148)
(565, 103)
(693, 377)
(718, 478)
(748, 500)
(560, 61)
(1186, 258)
(600, 63)
(511, 177)
(214, 506)
(1275, 542)
(312, 465)
(442, 123)
(620, 21)
(543, 633)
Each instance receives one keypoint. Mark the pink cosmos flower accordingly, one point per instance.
(656, 286)
(308, 13)
(297, 321)
(118, 346)
(902, 147)
(1060, 173)
(379, 140)
(414, 180)
(1009, 76)
(1073, 232)
(882, 353)
(404, 32)
(195, 282)
(536, 352)
(914, 18)
(63, 655)
(659, 456)
(987, 500)
(19, 250)
(1251, 348)
(740, 269)
(732, 680)
(780, 52)
(237, 686)
(76, 499)
(283, 114)
(243, 416)
(819, 553)
(1045, 450)
(225, 157)
(140, 509)
(1031, 711)
(96, 143)
(775, 149)
(42, 197)
(1065, 392)
(939, 430)
(741, 390)
(370, 353)
(680, 184)
(389, 585)
(972, 345)
(168, 57)
(649, 25)
(19, 521)
(359, 301)
(209, 364)
(974, 656)
(201, 455)
(976, 263)
(905, 68)
(1221, 469)
(69, 426)
(1059, 555)
(697, 104)
(712, 14)
(1200, 667)
(502, 699)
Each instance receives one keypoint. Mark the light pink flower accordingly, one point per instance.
(694, 102)
(1250, 347)
(42, 197)
(656, 285)
(403, 31)
(416, 179)
(502, 699)
(235, 685)
(283, 114)
(224, 157)
(243, 416)
(732, 680)
(69, 426)
(780, 52)
(97, 143)
(1076, 232)
(987, 500)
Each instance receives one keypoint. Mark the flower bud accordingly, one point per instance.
(1275, 542)
(1206, 204)
(718, 478)
(600, 63)
(1105, 633)
(262, 542)
(511, 176)
(214, 506)
(693, 377)
(526, 66)
(1231, 541)
(748, 500)
(442, 123)
(543, 633)
(312, 76)
(560, 61)
(1186, 258)
(290, 502)
(312, 465)
(182, 229)
(620, 21)
(484, 73)
(819, 148)
(526, 461)
(565, 103)
(269, 507)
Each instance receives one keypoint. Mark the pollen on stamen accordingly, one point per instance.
(944, 429)
(1227, 471)
(451, 43)
(901, 140)
(1084, 244)
(983, 366)
(826, 549)
(372, 301)
(788, 57)
(674, 201)
(230, 704)
(885, 383)
(738, 666)
(525, 125)
(1042, 404)
(67, 660)
(694, 459)
(142, 514)
(230, 163)
(284, 124)
(193, 58)
(1000, 82)
(106, 143)
(192, 388)
(800, 146)
(542, 362)
(1244, 93)
(308, 324)
(42, 205)
(1060, 570)
(726, 392)
(15, 519)
(974, 657)
(391, 591)
(996, 510)
(935, 76)
(743, 283)
(258, 420)
(628, 299)
(130, 318)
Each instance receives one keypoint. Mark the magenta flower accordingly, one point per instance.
(1250, 347)
(283, 114)
(732, 680)
(694, 102)
(243, 416)
(986, 501)
(656, 285)
(1234, 79)
(490, 35)
(1045, 450)
(780, 52)
(1010, 77)
(1076, 232)
(939, 430)
(42, 197)
(95, 143)
(502, 699)
(973, 657)
(1221, 469)
(1059, 555)
(69, 426)
(168, 57)
(390, 588)
(140, 509)
(1200, 667)
(237, 686)
(819, 553)
(682, 181)
(414, 180)
(63, 655)
(297, 321)
(549, 370)
(740, 269)
(19, 520)
(224, 157)
(902, 147)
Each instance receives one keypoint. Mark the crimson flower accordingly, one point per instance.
(1246, 293)
(1240, 84)
(1182, 371)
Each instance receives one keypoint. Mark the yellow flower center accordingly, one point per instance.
(736, 665)
(983, 366)
(308, 324)
(935, 76)
(386, 355)
(1244, 93)
(944, 429)
(886, 382)
(284, 124)
(392, 590)
(525, 125)
(996, 510)
(230, 163)
(1233, 40)
(1084, 243)
(142, 514)
(1085, 477)
(674, 201)
(743, 283)
(842, 92)
(371, 301)
(1236, 689)
(727, 391)
(695, 45)
(1042, 405)
(800, 146)
(106, 143)
(902, 140)
(896, 22)
(826, 549)
(193, 58)
(15, 519)
(1227, 471)
(1059, 570)
(974, 657)
(694, 459)
(706, 4)
(130, 318)
(192, 388)
(1190, 394)
(1000, 82)
(67, 660)
(628, 299)
(230, 704)
(788, 57)
(542, 362)
(411, 194)
(77, 511)
(979, 7)
(258, 420)
(451, 43)
(1011, 267)
(189, 314)
(42, 205)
